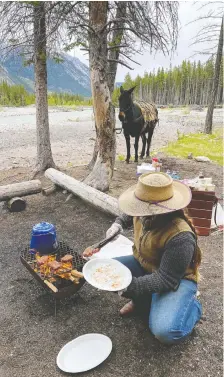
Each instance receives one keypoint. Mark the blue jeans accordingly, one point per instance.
(173, 314)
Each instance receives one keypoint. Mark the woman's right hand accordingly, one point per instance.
(89, 251)
(114, 229)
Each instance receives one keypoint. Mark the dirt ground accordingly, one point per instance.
(125, 174)
(31, 335)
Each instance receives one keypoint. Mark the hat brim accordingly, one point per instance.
(133, 206)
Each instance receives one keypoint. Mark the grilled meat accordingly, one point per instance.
(42, 260)
(67, 258)
(54, 265)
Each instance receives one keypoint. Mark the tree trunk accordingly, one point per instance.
(44, 154)
(209, 116)
(220, 95)
(95, 151)
(140, 91)
(112, 65)
(102, 172)
(116, 40)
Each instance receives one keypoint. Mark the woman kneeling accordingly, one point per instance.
(165, 258)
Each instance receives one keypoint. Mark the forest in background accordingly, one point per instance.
(187, 84)
(16, 95)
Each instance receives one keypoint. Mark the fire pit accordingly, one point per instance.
(61, 287)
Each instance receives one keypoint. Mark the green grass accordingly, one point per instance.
(121, 157)
(200, 144)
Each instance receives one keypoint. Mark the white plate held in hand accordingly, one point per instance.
(107, 274)
(84, 353)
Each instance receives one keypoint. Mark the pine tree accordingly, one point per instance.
(187, 84)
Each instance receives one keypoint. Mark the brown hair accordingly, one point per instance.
(159, 221)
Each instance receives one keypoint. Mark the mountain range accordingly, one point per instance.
(71, 75)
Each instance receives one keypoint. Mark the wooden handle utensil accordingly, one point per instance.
(51, 286)
(105, 241)
(100, 244)
(77, 274)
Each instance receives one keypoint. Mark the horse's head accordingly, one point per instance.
(125, 102)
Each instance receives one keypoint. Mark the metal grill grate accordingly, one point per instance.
(65, 287)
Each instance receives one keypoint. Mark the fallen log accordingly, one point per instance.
(90, 195)
(19, 189)
(16, 205)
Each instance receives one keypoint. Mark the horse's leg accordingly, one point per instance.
(127, 138)
(150, 133)
(136, 147)
(143, 136)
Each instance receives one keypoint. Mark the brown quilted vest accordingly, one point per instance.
(149, 245)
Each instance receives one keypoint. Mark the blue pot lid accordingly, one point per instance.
(43, 228)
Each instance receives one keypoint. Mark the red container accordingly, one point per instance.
(200, 211)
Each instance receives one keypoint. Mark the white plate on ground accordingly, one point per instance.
(107, 274)
(84, 353)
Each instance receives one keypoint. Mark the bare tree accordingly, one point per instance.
(115, 43)
(218, 62)
(33, 30)
(112, 33)
(211, 32)
(113, 55)
(44, 154)
(104, 110)
(23, 31)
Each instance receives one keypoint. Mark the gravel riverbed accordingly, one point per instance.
(72, 133)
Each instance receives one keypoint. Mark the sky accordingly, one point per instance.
(188, 11)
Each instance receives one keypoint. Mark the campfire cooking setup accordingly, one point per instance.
(60, 273)
(55, 265)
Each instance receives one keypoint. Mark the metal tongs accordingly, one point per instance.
(102, 243)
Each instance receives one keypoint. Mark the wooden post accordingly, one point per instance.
(90, 195)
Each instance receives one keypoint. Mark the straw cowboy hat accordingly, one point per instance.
(154, 194)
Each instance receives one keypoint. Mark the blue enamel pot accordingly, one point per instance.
(44, 238)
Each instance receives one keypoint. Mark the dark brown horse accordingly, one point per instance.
(138, 119)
